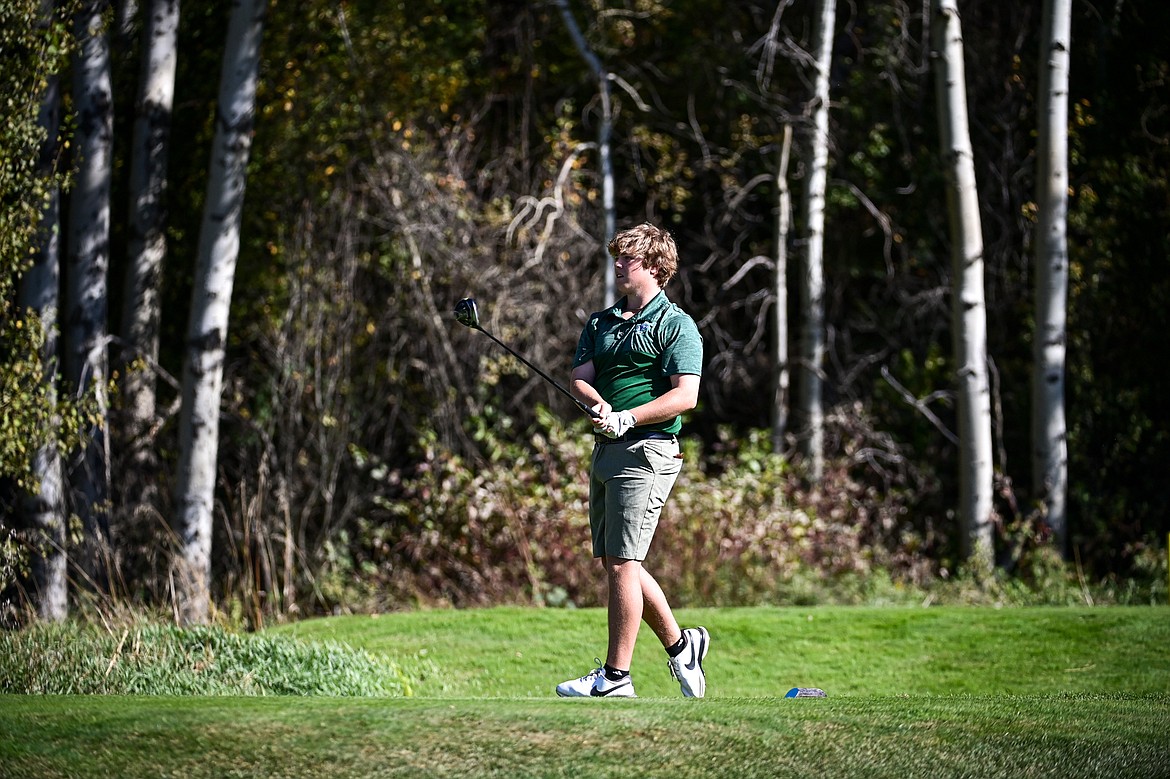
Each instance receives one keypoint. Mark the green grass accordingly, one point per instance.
(940, 692)
(153, 659)
(517, 652)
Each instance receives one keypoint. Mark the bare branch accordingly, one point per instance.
(920, 406)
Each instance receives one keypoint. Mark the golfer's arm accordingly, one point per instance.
(581, 385)
(682, 396)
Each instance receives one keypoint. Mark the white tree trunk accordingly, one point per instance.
(968, 305)
(219, 243)
(1049, 434)
(44, 517)
(147, 241)
(86, 362)
(603, 141)
(780, 292)
(605, 153)
(44, 509)
(812, 439)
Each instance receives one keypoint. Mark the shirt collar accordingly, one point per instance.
(656, 302)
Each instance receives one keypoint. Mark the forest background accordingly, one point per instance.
(373, 454)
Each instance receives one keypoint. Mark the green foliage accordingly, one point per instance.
(33, 50)
(153, 659)
(31, 415)
(1113, 432)
(740, 528)
(26, 407)
(1119, 294)
(342, 80)
(513, 528)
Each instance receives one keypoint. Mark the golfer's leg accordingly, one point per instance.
(656, 611)
(625, 609)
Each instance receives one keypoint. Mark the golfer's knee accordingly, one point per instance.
(621, 568)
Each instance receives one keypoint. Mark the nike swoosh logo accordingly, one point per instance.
(594, 692)
(700, 650)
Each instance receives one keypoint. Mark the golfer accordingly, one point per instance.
(638, 364)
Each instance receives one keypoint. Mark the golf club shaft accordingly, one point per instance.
(542, 374)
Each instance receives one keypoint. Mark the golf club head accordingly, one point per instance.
(467, 313)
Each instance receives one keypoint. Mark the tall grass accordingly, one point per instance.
(153, 659)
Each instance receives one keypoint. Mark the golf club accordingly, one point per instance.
(468, 314)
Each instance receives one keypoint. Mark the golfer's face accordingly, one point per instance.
(629, 272)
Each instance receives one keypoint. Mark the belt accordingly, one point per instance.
(634, 435)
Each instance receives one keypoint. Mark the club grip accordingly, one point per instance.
(588, 410)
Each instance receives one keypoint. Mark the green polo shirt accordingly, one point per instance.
(635, 358)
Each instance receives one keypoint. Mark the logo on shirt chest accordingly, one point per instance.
(636, 337)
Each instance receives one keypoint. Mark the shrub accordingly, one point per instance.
(741, 528)
(514, 528)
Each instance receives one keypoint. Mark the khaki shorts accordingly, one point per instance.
(628, 486)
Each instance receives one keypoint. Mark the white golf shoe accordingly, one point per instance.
(595, 685)
(687, 668)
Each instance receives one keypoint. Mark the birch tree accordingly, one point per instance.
(86, 363)
(44, 505)
(812, 304)
(604, 131)
(147, 240)
(770, 46)
(780, 291)
(1049, 434)
(969, 315)
(219, 243)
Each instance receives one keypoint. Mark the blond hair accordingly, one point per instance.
(653, 245)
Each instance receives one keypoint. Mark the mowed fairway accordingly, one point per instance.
(938, 692)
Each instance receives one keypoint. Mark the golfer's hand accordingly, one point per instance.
(617, 424)
(598, 415)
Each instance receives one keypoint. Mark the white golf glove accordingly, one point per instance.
(616, 424)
